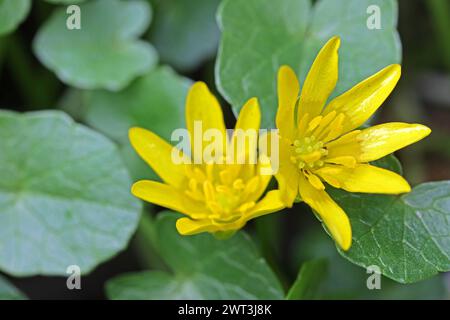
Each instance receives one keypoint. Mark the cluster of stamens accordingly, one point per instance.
(308, 153)
(226, 196)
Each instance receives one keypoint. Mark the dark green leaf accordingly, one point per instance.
(202, 268)
(407, 236)
(64, 196)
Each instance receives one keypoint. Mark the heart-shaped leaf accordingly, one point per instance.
(185, 33)
(202, 267)
(407, 237)
(154, 101)
(105, 53)
(12, 13)
(64, 196)
(258, 36)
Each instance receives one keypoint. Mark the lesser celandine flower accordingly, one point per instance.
(322, 143)
(215, 197)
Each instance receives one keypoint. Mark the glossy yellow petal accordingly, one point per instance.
(360, 102)
(329, 211)
(320, 81)
(158, 154)
(186, 226)
(270, 203)
(245, 135)
(169, 197)
(288, 90)
(287, 175)
(364, 178)
(381, 140)
(203, 112)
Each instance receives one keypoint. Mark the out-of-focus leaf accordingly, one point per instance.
(154, 101)
(9, 292)
(185, 33)
(202, 268)
(12, 13)
(64, 196)
(258, 36)
(308, 280)
(105, 53)
(65, 1)
(407, 236)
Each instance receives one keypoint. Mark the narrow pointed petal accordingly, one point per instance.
(360, 102)
(329, 211)
(288, 90)
(203, 109)
(381, 140)
(270, 203)
(364, 178)
(245, 135)
(321, 80)
(167, 196)
(158, 154)
(287, 176)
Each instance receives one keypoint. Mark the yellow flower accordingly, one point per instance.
(321, 143)
(215, 197)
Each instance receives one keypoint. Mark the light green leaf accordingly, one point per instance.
(154, 101)
(64, 196)
(105, 53)
(185, 33)
(12, 13)
(202, 267)
(65, 1)
(407, 236)
(308, 280)
(258, 36)
(9, 292)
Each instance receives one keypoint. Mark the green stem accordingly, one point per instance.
(440, 12)
(38, 90)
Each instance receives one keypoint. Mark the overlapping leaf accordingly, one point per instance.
(12, 13)
(202, 267)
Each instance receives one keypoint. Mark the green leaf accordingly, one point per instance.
(407, 236)
(185, 33)
(154, 101)
(105, 53)
(65, 1)
(308, 280)
(64, 196)
(202, 267)
(12, 13)
(258, 36)
(345, 280)
(9, 292)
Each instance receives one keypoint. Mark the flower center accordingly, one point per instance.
(226, 195)
(308, 153)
